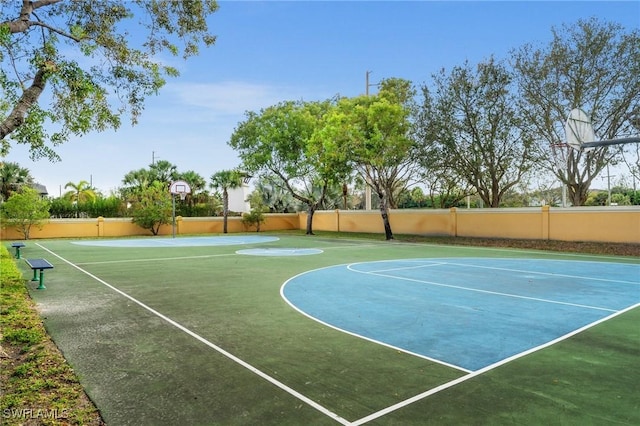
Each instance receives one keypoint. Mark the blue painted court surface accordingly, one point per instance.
(464, 312)
(179, 242)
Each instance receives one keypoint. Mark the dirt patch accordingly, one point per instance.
(584, 247)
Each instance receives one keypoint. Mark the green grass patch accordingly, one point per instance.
(38, 386)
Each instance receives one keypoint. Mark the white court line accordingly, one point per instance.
(496, 293)
(545, 273)
(360, 336)
(229, 355)
(476, 373)
(204, 256)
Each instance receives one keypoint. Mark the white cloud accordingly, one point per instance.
(230, 97)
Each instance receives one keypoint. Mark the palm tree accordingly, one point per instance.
(80, 193)
(12, 178)
(197, 184)
(163, 171)
(225, 180)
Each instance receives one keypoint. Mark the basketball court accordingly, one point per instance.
(286, 329)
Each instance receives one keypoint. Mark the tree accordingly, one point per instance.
(164, 172)
(81, 192)
(12, 178)
(279, 141)
(24, 210)
(256, 216)
(153, 208)
(197, 184)
(473, 127)
(274, 196)
(225, 180)
(590, 65)
(374, 131)
(71, 67)
(134, 182)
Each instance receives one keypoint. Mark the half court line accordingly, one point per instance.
(217, 348)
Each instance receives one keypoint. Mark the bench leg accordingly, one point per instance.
(35, 275)
(41, 286)
(17, 252)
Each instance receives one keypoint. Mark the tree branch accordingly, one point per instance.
(29, 97)
(23, 23)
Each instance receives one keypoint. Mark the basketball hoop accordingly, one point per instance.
(578, 129)
(180, 188)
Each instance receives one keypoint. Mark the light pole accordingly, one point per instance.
(367, 188)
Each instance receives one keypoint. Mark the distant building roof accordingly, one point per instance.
(40, 188)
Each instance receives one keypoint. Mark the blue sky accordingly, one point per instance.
(270, 51)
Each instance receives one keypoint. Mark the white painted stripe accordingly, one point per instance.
(462, 379)
(378, 342)
(155, 259)
(496, 293)
(554, 274)
(229, 355)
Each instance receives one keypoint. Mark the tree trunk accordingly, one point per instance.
(384, 212)
(225, 209)
(310, 212)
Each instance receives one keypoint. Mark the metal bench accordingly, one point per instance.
(39, 265)
(17, 246)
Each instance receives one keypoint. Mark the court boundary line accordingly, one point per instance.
(213, 346)
(477, 373)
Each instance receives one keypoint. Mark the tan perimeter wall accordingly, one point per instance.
(604, 224)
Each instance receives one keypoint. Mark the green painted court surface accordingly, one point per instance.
(186, 333)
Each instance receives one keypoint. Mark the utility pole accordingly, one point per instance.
(609, 176)
(367, 188)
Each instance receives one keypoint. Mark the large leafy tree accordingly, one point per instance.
(225, 180)
(373, 131)
(591, 65)
(278, 141)
(12, 178)
(70, 67)
(472, 126)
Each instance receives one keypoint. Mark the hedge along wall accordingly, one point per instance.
(603, 224)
